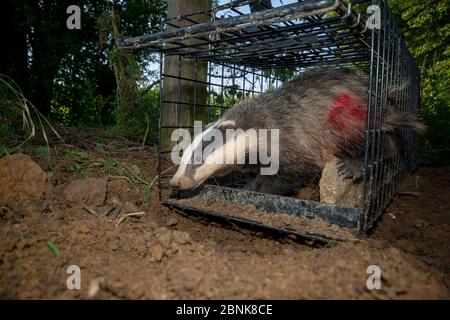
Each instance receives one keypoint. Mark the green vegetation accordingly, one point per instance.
(425, 27)
(53, 247)
(84, 162)
(16, 109)
(69, 75)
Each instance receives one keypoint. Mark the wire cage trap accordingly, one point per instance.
(212, 58)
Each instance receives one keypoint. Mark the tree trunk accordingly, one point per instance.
(14, 55)
(43, 71)
(48, 48)
(192, 94)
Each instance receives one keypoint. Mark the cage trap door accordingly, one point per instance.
(304, 219)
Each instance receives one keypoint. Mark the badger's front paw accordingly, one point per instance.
(351, 168)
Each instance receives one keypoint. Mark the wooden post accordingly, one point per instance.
(192, 94)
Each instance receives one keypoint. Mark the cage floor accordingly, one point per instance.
(303, 219)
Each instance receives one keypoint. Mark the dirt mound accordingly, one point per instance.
(23, 182)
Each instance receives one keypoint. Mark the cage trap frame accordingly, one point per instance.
(211, 58)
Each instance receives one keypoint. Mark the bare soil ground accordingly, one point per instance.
(94, 211)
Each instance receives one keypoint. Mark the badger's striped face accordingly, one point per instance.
(211, 152)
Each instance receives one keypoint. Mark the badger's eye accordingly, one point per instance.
(191, 168)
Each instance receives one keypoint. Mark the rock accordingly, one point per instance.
(167, 237)
(420, 223)
(157, 253)
(114, 208)
(163, 235)
(181, 237)
(94, 286)
(130, 207)
(171, 221)
(334, 189)
(91, 191)
(83, 228)
(115, 245)
(22, 181)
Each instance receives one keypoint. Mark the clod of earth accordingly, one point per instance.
(130, 207)
(22, 181)
(163, 236)
(157, 253)
(181, 237)
(91, 191)
(166, 237)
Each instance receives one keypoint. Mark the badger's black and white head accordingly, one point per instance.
(214, 151)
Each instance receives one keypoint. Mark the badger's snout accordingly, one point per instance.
(182, 183)
(175, 184)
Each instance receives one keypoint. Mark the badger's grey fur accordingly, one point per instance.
(320, 114)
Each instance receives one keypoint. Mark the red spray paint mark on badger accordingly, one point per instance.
(348, 114)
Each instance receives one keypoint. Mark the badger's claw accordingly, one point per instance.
(350, 169)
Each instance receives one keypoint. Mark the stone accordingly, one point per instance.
(171, 221)
(181, 237)
(90, 191)
(130, 207)
(164, 236)
(157, 253)
(334, 189)
(83, 228)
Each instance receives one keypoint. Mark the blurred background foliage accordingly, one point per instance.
(425, 26)
(69, 75)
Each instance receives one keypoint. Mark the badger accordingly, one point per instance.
(321, 115)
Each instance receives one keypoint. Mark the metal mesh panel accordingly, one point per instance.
(394, 80)
(207, 67)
